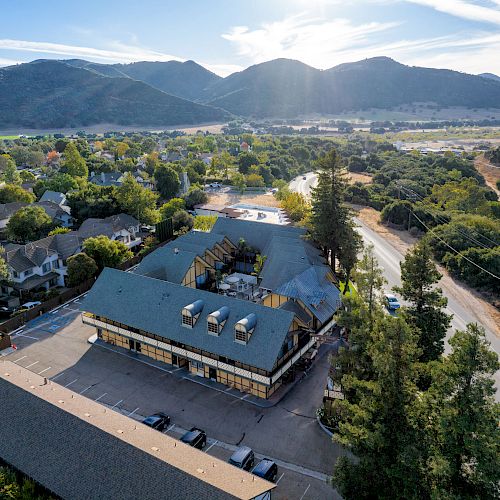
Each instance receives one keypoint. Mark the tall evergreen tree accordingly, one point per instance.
(465, 458)
(330, 215)
(378, 426)
(419, 276)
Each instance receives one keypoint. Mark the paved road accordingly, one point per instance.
(389, 259)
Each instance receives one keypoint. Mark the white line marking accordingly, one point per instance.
(20, 359)
(214, 443)
(26, 336)
(116, 404)
(101, 396)
(228, 389)
(177, 369)
(72, 382)
(20, 331)
(57, 376)
(44, 370)
(32, 364)
(245, 396)
(280, 478)
(304, 494)
(86, 389)
(132, 412)
(171, 427)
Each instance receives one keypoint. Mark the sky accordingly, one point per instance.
(227, 36)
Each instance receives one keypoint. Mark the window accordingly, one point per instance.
(213, 328)
(240, 336)
(15, 274)
(55, 264)
(46, 267)
(187, 321)
(28, 272)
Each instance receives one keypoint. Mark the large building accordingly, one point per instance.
(78, 449)
(237, 305)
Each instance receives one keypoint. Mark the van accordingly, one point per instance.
(266, 469)
(243, 458)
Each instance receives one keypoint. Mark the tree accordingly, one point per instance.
(238, 180)
(137, 200)
(59, 230)
(11, 193)
(255, 180)
(245, 161)
(330, 216)
(260, 260)
(73, 163)
(4, 269)
(350, 244)
(106, 252)
(11, 174)
(204, 222)
(182, 222)
(426, 311)
(465, 456)
(167, 181)
(81, 268)
(172, 206)
(93, 201)
(195, 196)
(377, 428)
(121, 149)
(28, 224)
(296, 206)
(61, 183)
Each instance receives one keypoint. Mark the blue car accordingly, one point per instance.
(391, 302)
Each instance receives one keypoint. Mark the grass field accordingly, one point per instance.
(7, 137)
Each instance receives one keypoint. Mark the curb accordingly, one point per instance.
(329, 433)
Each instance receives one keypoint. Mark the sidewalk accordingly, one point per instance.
(183, 373)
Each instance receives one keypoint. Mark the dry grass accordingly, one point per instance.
(490, 173)
(363, 178)
(227, 199)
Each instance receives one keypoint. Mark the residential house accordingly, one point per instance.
(54, 197)
(218, 210)
(197, 303)
(116, 179)
(121, 227)
(61, 215)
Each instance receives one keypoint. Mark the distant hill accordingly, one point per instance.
(491, 76)
(287, 88)
(182, 79)
(54, 94)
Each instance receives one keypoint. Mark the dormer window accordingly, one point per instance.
(216, 320)
(244, 328)
(191, 312)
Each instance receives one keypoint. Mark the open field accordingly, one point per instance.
(230, 198)
(490, 172)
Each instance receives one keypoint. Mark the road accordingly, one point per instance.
(389, 258)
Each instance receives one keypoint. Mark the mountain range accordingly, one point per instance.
(77, 93)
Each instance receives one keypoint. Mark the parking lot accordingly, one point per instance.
(56, 346)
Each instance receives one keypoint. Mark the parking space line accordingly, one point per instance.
(304, 494)
(132, 412)
(86, 389)
(171, 427)
(213, 444)
(44, 370)
(244, 397)
(57, 376)
(72, 382)
(101, 396)
(116, 404)
(26, 336)
(280, 478)
(32, 364)
(20, 359)
(177, 369)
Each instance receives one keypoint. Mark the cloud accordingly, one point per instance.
(119, 52)
(463, 9)
(314, 41)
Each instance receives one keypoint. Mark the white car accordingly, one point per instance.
(391, 302)
(30, 305)
(215, 185)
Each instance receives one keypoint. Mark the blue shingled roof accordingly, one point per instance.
(155, 306)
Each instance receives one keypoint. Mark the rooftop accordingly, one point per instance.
(77, 448)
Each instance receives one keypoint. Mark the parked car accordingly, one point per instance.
(243, 458)
(157, 421)
(391, 302)
(30, 305)
(5, 312)
(266, 469)
(304, 177)
(214, 185)
(195, 438)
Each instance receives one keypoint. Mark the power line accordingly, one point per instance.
(444, 221)
(456, 251)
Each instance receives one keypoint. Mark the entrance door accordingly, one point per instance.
(212, 374)
(134, 345)
(175, 360)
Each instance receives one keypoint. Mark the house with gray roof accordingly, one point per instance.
(190, 303)
(61, 215)
(54, 197)
(121, 227)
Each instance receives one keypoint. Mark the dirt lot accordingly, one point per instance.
(490, 173)
(230, 198)
(363, 178)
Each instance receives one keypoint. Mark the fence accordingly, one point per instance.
(21, 319)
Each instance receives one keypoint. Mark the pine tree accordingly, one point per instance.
(377, 427)
(330, 215)
(426, 311)
(465, 458)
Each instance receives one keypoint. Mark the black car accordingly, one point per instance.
(195, 438)
(243, 458)
(266, 469)
(157, 421)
